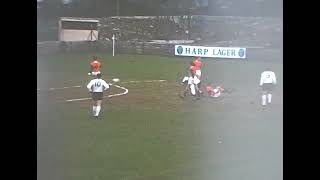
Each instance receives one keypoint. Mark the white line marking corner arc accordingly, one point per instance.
(112, 95)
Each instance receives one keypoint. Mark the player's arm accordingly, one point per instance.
(274, 79)
(187, 87)
(105, 85)
(261, 80)
(89, 86)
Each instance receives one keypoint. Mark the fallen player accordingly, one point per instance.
(216, 92)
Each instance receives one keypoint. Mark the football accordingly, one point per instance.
(115, 80)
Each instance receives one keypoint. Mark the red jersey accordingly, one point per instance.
(197, 63)
(95, 66)
(210, 90)
(193, 69)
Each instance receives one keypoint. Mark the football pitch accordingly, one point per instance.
(148, 132)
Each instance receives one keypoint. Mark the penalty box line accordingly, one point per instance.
(78, 86)
(112, 95)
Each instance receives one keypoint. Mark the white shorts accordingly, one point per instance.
(198, 73)
(95, 73)
(217, 93)
(196, 80)
(190, 80)
(185, 79)
(193, 89)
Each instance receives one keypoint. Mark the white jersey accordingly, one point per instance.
(198, 73)
(190, 80)
(97, 85)
(185, 79)
(196, 80)
(268, 77)
(216, 92)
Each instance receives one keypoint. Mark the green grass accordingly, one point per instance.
(151, 133)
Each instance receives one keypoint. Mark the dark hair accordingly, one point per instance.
(99, 75)
(95, 57)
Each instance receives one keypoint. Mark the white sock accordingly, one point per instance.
(269, 98)
(94, 108)
(264, 99)
(98, 110)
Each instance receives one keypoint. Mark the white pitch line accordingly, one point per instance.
(120, 94)
(50, 89)
(80, 99)
(112, 95)
(78, 86)
(161, 80)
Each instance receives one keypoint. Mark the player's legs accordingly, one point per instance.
(94, 107)
(266, 95)
(98, 108)
(269, 95)
(267, 88)
(196, 82)
(193, 89)
(199, 88)
(189, 86)
(198, 73)
(198, 76)
(264, 98)
(97, 98)
(198, 92)
(186, 90)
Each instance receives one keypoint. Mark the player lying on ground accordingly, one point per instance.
(216, 91)
(196, 65)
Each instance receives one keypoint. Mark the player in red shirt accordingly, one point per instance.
(95, 66)
(193, 81)
(209, 89)
(198, 64)
(193, 70)
(214, 91)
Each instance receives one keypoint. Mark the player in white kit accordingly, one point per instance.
(267, 82)
(96, 87)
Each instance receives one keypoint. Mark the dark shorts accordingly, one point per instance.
(97, 96)
(267, 87)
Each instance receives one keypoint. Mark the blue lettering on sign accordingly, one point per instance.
(199, 51)
(205, 51)
(213, 50)
(241, 52)
(187, 50)
(194, 51)
(221, 52)
(233, 52)
(179, 49)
